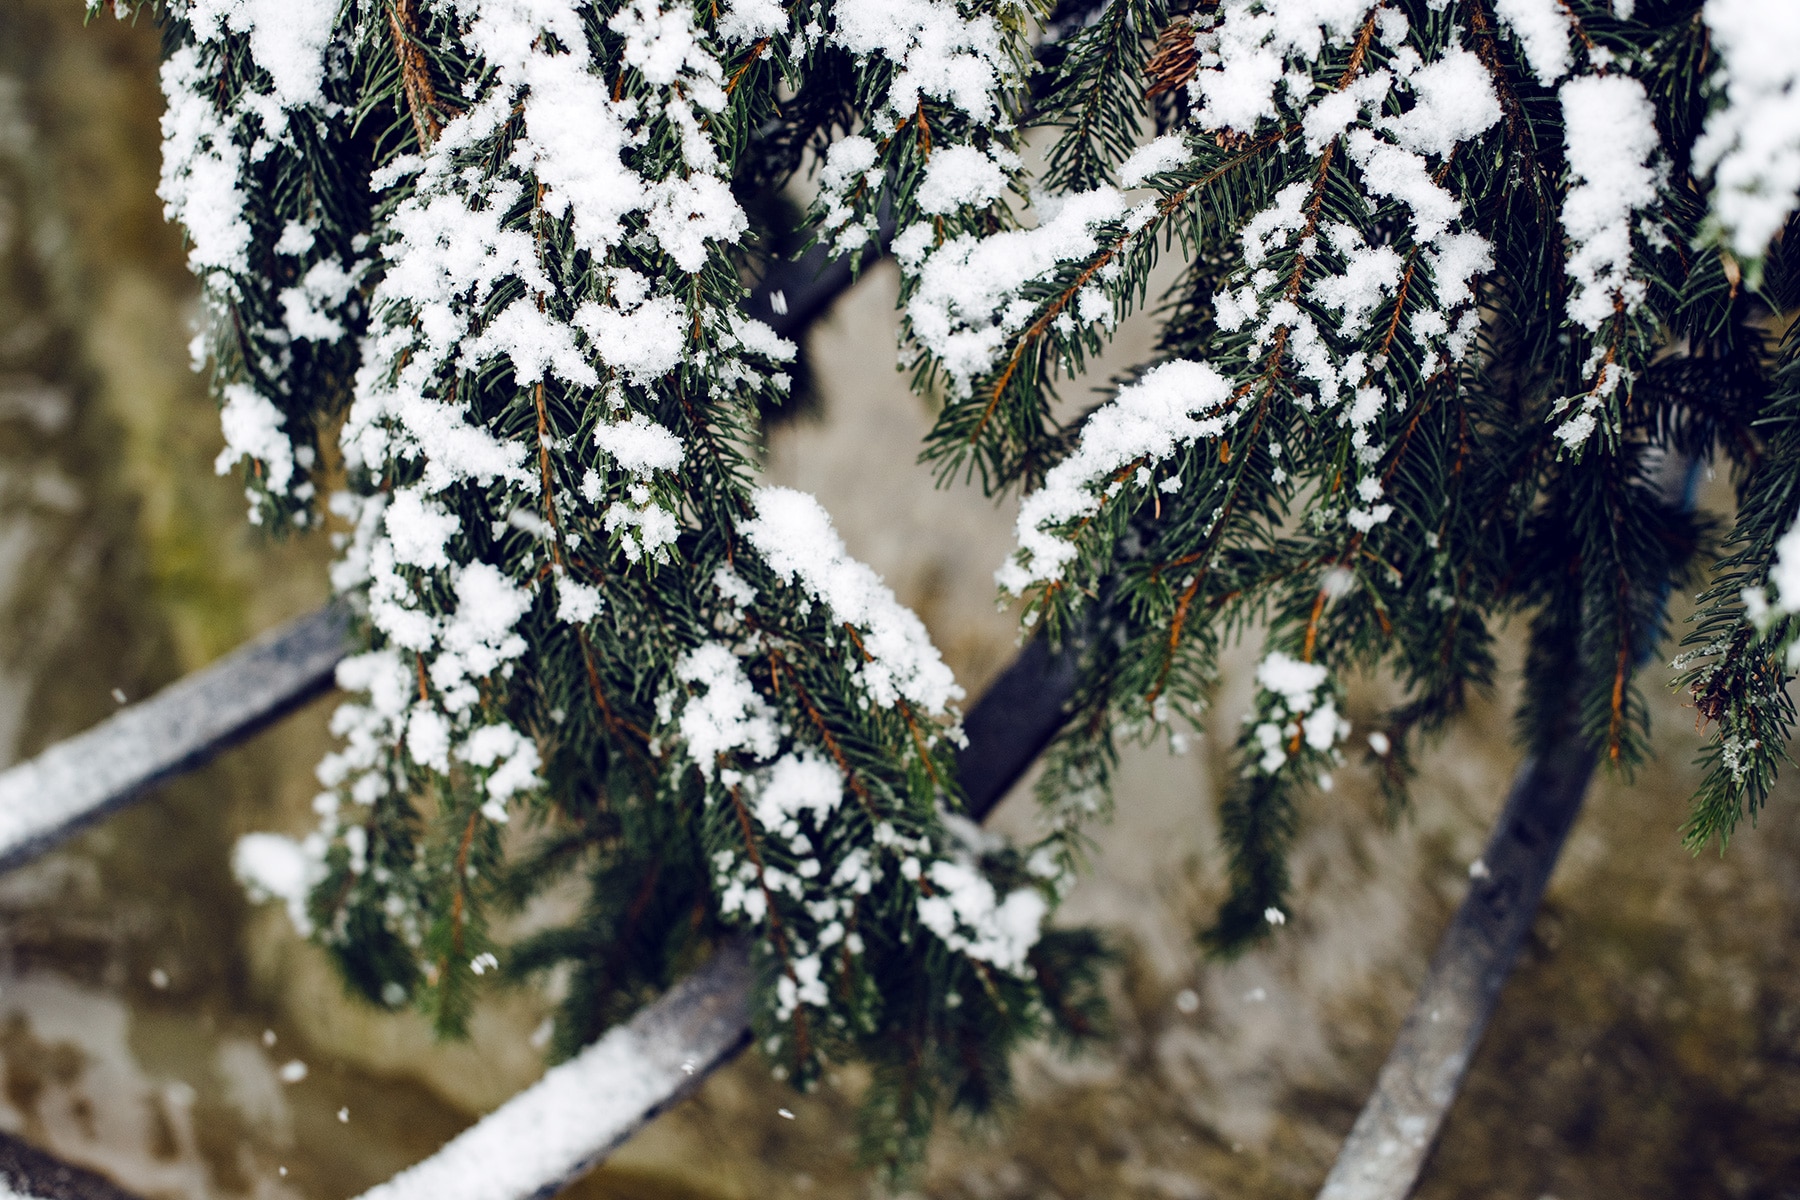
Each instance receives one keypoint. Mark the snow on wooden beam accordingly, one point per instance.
(584, 1109)
(77, 781)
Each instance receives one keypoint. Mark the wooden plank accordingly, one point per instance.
(32, 1174)
(584, 1109)
(80, 780)
(1385, 1154)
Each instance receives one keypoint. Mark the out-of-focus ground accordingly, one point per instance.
(1648, 1047)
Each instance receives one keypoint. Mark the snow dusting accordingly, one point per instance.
(273, 867)
(1609, 135)
(935, 50)
(1296, 708)
(1543, 28)
(583, 1108)
(967, 301)
(1161, 154)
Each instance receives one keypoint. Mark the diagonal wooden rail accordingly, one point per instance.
(1386, 1153)
(78, 781)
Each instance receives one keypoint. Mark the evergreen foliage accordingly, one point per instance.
(1459, 283)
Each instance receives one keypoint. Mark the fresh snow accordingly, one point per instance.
(743, 21)
(728, 715)
(417, 528)
(1245, 67)
(1784, 572)
(1453, 101)
(1751, 143)
(960, 175)
(1610, 138)
(967, 301)
(642, 342)
(1543, 28)
(273, 867)
(1296, 682)
(1609, 134)
(1295, 708)
(935, 51)
(969, 916)
(1161, 154)
(201, 166)
(797, 784)
(1173, 404)
(253, 429)
(639, 445)
(795, 538)
(287, 39)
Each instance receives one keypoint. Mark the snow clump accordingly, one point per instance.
(1294, 709)
(1751, 143)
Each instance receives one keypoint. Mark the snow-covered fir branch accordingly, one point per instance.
(1441, 280)
(257, 106)
(553, 529)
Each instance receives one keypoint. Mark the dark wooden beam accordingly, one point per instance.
(1386, 1151)
(1388, 1148)
(33, 1174)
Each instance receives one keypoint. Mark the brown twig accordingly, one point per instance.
(415, 72)
(749, 61)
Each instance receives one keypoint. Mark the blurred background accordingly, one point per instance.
(150, 1018)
